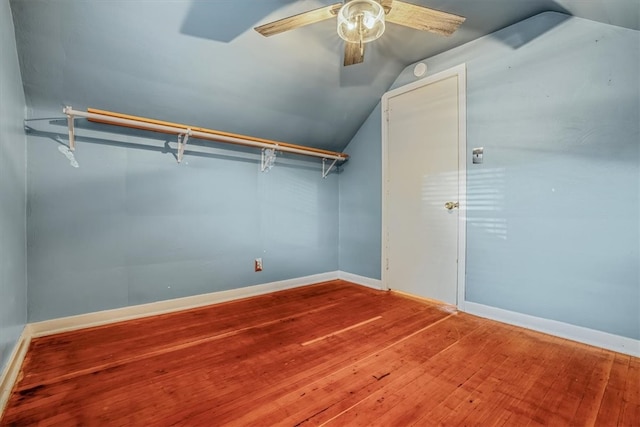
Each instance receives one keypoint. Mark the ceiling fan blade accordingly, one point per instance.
(424, 18)
(353, 54)
(386, 5)
(300, 20)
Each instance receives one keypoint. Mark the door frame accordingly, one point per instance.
(458, 71)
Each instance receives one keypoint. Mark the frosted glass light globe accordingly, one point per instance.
(361, 21)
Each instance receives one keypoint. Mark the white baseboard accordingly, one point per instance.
(581, 334)
(71, 323)
(360, 280)
(12, 368)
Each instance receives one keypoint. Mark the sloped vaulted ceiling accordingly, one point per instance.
(200, 62)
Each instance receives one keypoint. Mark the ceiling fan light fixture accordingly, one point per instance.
(361, 21)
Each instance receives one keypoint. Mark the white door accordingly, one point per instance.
(424, 188)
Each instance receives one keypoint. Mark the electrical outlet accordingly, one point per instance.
(258, 264)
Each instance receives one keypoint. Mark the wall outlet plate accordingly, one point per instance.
(257, 264)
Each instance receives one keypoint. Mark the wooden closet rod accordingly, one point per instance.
(125, 120)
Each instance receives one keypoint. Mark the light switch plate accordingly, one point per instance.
(478, 154)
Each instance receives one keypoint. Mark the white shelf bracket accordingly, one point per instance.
(325, 170)
(72, 130)
(268, 159)
(182, 142)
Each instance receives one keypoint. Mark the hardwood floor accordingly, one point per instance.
(333, 353)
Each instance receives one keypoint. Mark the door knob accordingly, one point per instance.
(451, 205)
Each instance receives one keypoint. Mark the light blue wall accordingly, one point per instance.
(131, 226)
(360, 201)
(13, 278)
(554, 212)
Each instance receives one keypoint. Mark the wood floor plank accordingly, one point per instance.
(333, 353)
(589, 394)
(520, 390)
(476, 371)
(471, 393)
(78, 349)
(525, 404)
(630, 412)
(611, 404)
(327, 397)
(312, 362)
(403, 399)
(271, 341)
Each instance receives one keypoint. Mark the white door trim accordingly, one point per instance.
(460, 72)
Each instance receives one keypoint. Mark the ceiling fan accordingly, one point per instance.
(362, 21)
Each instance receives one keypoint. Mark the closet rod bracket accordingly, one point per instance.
(182, 142)
(325, 170)
(72, 131)
(268, 158)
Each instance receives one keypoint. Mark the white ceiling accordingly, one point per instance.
(200, 62)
